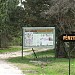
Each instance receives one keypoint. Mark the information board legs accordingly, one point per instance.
(22, 43)
(22, 52)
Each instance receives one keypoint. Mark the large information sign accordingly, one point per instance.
(39, 37)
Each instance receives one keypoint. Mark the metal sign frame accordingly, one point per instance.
(39, 30)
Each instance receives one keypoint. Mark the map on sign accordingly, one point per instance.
(38, 36)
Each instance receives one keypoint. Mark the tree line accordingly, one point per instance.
(37, 13)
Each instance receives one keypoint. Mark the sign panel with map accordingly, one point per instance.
(39, 37)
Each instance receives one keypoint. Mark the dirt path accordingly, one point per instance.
(13, 54)
(19, 53)
(9, 69)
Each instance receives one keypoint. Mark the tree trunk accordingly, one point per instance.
(4, 41)
(60, 49)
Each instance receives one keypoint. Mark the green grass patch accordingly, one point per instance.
(45, 64)
(10, 49)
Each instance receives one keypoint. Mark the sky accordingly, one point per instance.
(20, 4)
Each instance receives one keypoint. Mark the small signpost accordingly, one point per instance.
(42, 37)
(68, 38)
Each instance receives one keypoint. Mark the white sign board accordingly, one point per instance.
(39, 37)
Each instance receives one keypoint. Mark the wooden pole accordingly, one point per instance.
(34, 53)
(22, 43)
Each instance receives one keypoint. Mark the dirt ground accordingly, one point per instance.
(9, 69)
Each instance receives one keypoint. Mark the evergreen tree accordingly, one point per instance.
(6, 7)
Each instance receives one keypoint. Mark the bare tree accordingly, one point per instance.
(63, 12)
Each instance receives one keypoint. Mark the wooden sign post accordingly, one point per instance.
(68, 38)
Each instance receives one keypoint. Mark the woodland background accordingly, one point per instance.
(15, 14)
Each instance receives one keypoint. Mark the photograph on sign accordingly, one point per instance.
(38, 36)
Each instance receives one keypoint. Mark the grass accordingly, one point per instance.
(45, 64)
(10, 49)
